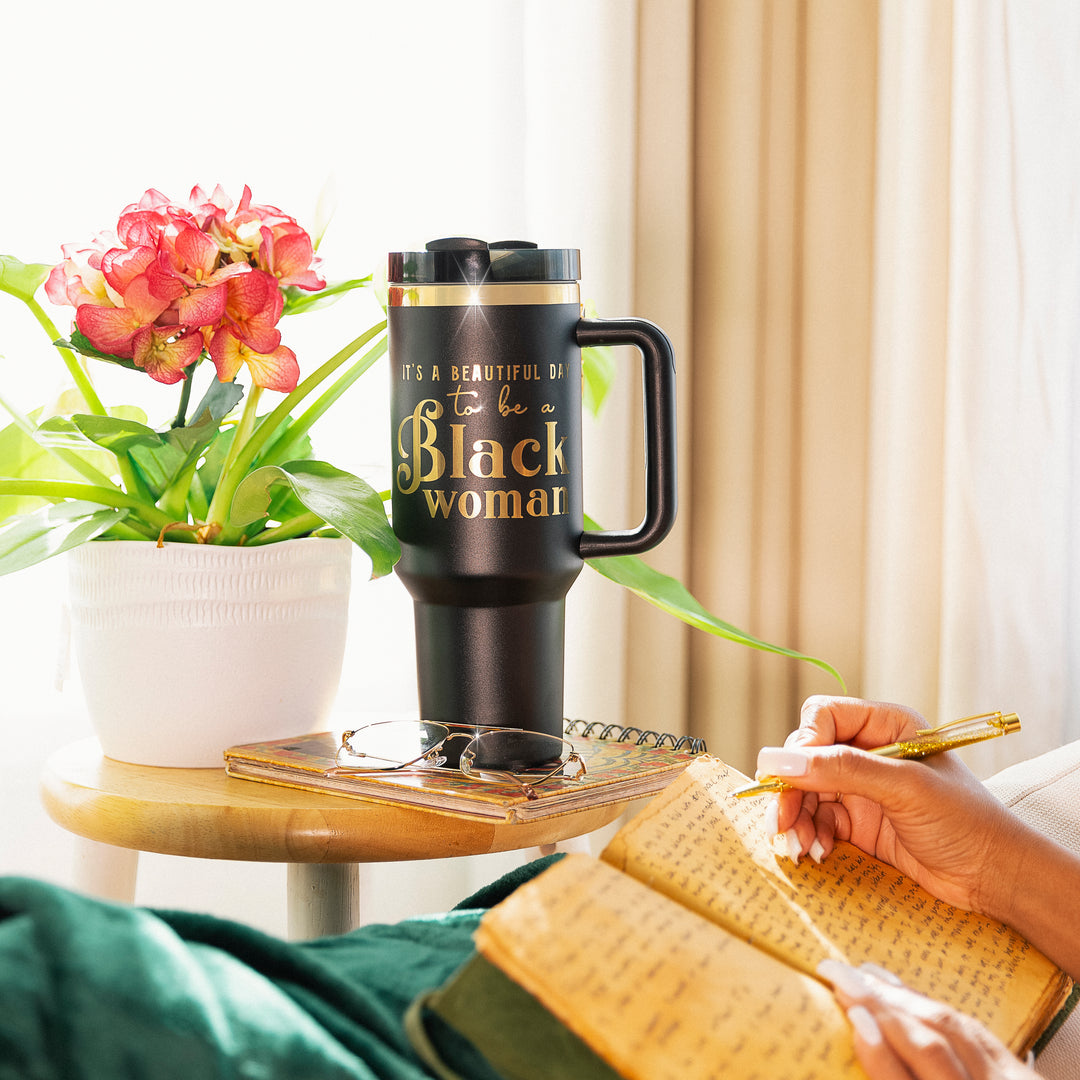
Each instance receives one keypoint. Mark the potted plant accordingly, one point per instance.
(241, 537)
(222, 495)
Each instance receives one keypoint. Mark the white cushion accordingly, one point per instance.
(1045, 792)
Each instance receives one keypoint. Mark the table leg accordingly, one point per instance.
(324, 899)
(105, 871)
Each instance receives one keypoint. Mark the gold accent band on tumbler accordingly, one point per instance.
(489, 294)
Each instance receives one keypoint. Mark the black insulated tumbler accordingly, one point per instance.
(485, 354)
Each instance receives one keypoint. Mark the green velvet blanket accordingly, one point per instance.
(98, 991)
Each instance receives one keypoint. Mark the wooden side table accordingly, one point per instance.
(119, 810)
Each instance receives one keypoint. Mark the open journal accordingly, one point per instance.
(689, 948)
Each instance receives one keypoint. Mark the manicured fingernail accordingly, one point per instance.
(881, 973)
(780, 761)
(865, 1025)
(844, 978)
(817, 850)
(770, 822)
(794, 847)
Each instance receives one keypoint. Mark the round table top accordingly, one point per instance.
(206, 814)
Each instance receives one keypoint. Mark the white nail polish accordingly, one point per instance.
(793, 846)
(865, 1025)
(845, 978)
(817, 851)
(770, 822)
(780, 761)
(881, 973)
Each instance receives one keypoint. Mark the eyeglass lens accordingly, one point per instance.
(395, 742)
(518, 751)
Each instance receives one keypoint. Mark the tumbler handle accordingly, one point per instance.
(661, 479)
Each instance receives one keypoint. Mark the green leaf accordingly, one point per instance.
(115, 433)
(80, 343)
(193, 438)
(597, 369)
(297, 299)
(21, 279)
(219, 400)
(671, 596)
(342, 500)
(26, 458)
(21, 458)
(35, 537)
(179, 448)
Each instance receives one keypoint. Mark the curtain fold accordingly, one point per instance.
(658, 649)
(911, 276)
(783, 178)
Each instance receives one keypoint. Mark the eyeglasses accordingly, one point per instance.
(495, 754)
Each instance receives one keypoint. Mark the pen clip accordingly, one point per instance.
(1006, 721)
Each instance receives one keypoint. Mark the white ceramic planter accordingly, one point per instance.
(188, 649)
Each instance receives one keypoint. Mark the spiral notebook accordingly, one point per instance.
(622, 764)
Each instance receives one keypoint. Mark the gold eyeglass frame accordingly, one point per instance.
(433, 759)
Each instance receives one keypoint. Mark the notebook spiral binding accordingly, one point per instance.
(597, 729)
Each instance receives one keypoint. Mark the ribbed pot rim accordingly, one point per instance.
(103, 553)
(194, 585)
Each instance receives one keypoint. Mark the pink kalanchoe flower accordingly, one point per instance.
(207, 208)
(275, 370)
(240, 235)
(78, 278)
(112, 328)
(176, 280)
(163, 354)
(122, 266)
(188, 271)
(142, 223)
(263, 213)
(287, 253)
(252, 309)
(151, 199)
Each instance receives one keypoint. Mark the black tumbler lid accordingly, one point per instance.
(458, 260)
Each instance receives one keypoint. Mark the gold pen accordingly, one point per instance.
(925, 743)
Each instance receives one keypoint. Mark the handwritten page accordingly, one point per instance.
(656, 990)
(709, 851)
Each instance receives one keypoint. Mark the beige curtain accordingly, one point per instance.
(775, 383)
(879, 326)
(911, 275)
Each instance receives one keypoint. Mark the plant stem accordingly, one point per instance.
(300, 525)
(58, 490)
(78, 373)
(86, 387)
(222, 498)
(309, 300)
(236, 466)
(185, 398)
(174, 499)
(126, 530)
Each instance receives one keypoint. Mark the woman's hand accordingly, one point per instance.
(931, 819)
(901, 1035)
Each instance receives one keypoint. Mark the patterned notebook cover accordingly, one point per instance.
(623, 764)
